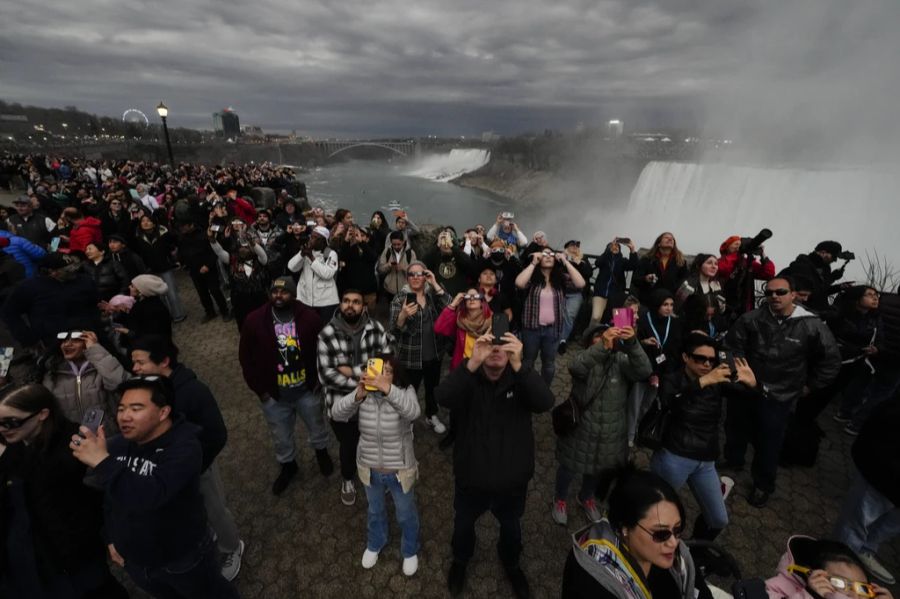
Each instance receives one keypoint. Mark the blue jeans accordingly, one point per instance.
(545, 341)
(281, 415)
(867, 517)
(405, 508)
(702, 479)
(173, 302)
(573, 306)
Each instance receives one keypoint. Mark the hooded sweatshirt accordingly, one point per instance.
(154, 513)
(789, 585)
(196, 403)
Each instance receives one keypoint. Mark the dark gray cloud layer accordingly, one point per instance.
(396, 67)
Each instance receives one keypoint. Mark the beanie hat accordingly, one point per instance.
(286, 283)
(125, 301)
(322, 231)
(724, 247)
(150, 285)
(4, 242)
(832, 247)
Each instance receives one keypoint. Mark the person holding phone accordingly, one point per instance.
(82, 375)
(544, 312)
(694, 396)
(387, 406)
(50, 544)
(466, 318)
(597, 447)
(664, 267)
(247, 274)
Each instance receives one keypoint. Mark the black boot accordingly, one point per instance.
(287, 474)
(326, 466)
(456, 578)
(518, 581)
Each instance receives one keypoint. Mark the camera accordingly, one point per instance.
(848, 255)
(750, 245)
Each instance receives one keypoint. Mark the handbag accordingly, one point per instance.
(653, 425)
(567, 416)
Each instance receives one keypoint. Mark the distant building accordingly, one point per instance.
(227, 124)
(252, 131)
(615, 128)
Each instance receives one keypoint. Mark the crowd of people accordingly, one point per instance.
(108, 442)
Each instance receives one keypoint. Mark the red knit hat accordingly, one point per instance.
(4, 242)
(728, 242)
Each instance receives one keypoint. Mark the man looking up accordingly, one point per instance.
(155, 521)
(793, 354)
(345, 345)
(317, 264)
(493, 398)
(156, 355)
(278, 358)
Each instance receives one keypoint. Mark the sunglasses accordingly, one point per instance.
(661, 536)
(69, 335)
(839, 583)
(471, 297)
(14, 423)
(415, 275)
(779, 292)
(701, 359)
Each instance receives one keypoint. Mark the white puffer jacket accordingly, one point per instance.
(317, 286)
(385, 427)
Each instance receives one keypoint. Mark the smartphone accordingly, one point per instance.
(625, 240)
(499, 327)
(623, 318)
(726, 357)
(411, 298)
(215, 228)
(93, 419)
(6, 356)
(373, 368)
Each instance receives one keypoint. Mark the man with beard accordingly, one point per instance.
(278, 358)
(345, 346)
(271, 236)
(317, 265)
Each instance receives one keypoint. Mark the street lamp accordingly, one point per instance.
(163, 111)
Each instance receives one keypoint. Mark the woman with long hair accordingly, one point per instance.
(663, 267)
(544, 312)
(701, 290)
(465, 319)
(387, 407)
(156, 246)
(636, 551)
(51, 542)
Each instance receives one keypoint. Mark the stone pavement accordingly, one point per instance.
(306, 544)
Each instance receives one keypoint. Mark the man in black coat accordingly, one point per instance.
(815, 268)
(493, 398)
(130, 261)
(155, 521)
(871, 511)
(155, 355)
(195, 252)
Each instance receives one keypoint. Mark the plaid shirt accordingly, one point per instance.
(409, 336)
(531, 313)
(335, 349)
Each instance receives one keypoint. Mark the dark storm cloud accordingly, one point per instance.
(355, 67)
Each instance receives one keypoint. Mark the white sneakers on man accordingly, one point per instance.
(410, 565)
(436, 425)
(369, 559)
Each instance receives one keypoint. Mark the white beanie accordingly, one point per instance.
(323, 232)
(150, 285)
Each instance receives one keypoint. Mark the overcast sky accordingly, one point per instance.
(402, 67)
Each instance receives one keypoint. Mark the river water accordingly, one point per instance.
(366, 186)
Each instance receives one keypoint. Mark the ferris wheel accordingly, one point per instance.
(133, 115)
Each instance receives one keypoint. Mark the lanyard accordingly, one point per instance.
(712, 329)
(662, 342)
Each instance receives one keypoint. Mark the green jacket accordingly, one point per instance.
(599, 441)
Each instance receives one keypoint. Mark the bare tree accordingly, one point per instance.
(880, 273)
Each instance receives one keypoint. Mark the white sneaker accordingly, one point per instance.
(348, 492)
(877, 568)
(369, 559)
(410, 565)
(435, 423)
(231, 564)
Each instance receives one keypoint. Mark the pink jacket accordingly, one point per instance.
(787, 585)
(446, 325)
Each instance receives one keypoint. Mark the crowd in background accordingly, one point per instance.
(345, 321)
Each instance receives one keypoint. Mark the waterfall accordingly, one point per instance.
(444, 167)
(702, 204)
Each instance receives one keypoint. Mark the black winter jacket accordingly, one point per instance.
(65, 515)
(855, 330)
(815, 271)
(611, 268)
(494, 449)
(131, 262)
(876, 451)
(156, 249)
(358, 271)
(692, 429)
(149, 316)
(154, 513)
(672, 343)
(109, 276)
(195, 252)
(196, 403)
(786, 356)
(51, 306)
(669, 278)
